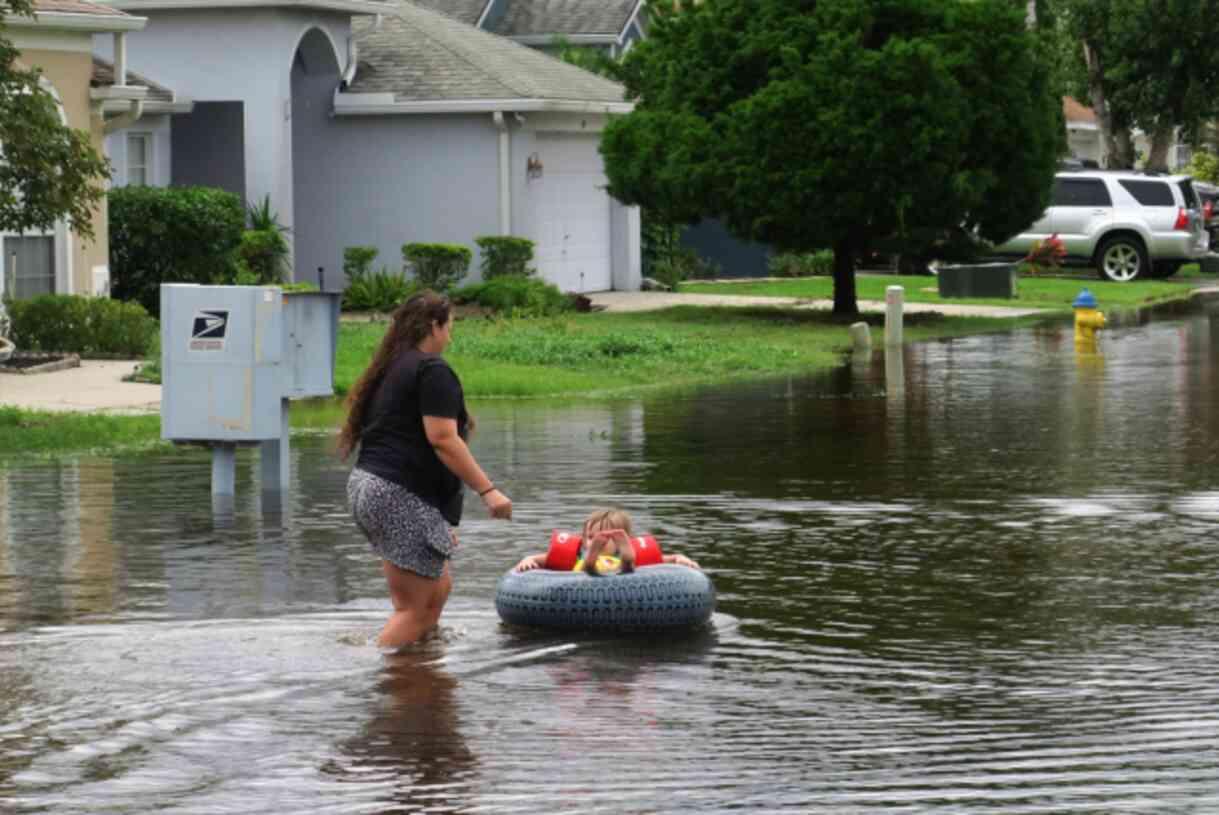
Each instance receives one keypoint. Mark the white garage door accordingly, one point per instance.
(573, 243)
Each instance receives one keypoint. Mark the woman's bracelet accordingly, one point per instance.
(487, 490)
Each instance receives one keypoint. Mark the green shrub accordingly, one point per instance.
(372, 291)
(515, 296)
(437, 265)
(357, 260)
(299, 286)
(504, 255)
(682, 264)
(81, 325)
(262, 255)
(171, 235)
(802, 264)
(1204, 166)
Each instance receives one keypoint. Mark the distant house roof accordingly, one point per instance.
(537, 18)
(565, 17)
(103, 75)
(419, 56)
(78, 15)
(1076, 112)
(341, 6)
(467, 11)
(75, 7)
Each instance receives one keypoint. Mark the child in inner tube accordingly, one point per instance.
(605, 547)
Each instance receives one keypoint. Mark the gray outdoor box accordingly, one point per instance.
(311, 322)
(221, 349)
(977, 280)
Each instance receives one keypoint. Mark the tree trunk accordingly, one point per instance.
(1114, 155)
(845, 302)
(1161, 140)
(1030, 14)
(1124, 158)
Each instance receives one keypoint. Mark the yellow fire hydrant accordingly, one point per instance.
(1087, 321)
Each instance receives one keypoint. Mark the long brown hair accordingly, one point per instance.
(410, 325)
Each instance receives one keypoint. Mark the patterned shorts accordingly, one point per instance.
(401, 526)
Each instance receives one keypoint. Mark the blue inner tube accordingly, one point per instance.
(665, 596)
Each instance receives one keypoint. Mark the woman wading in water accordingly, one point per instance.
(407, 416)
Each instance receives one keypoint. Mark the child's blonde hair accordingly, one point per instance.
(605, 519)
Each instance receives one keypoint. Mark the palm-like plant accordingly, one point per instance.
(263, 218)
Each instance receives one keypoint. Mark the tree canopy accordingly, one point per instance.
(48, 171)
(1147, 64)
(813, 125)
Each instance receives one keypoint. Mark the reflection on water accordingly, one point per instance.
(978, 578)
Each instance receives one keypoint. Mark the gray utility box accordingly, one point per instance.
(230, 355)
(977, 280)
(311, 326)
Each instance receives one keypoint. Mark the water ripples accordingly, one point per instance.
(998, 595)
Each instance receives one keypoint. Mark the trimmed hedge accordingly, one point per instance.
(262, 256)
(81, 325)
(802, 264)
(437, 265)
(367, 290)
(516, 296)
(171, 235)
(504, 255)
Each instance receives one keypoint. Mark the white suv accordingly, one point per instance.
(1127, 224)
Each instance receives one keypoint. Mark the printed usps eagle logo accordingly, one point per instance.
(209, 330)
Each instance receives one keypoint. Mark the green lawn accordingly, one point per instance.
(579, 356)
(608, 353)
(1055, 293)
(36, 433)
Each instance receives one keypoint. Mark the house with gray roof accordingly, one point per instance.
(609, 24)
(57, 39)
(140, 152)
(376, 123)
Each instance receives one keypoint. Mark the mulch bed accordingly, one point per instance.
(32, 362)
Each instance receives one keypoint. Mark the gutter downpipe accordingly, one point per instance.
(505, 173)
(120, 58)
(136, 110)
(353, 60)
(125, 119)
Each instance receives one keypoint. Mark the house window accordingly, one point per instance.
(28, 265)
(139, 159)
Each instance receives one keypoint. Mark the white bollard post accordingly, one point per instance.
(861, 337)
(894, 297)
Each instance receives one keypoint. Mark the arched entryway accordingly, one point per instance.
(315, 164)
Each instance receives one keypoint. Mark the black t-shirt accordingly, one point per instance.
(393, 444)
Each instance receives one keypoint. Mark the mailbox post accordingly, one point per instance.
(231, 359)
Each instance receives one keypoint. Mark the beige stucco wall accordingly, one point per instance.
(69, 74)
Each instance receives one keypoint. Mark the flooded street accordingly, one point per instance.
(989, 586)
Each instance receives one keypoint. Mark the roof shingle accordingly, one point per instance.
(467, 11)
(420, 55)
(103, 74)
(76, 7)
(565, 17)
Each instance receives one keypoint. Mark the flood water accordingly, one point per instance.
(989, 586)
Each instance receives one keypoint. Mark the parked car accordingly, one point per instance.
(1128, 224)
(1208, 194)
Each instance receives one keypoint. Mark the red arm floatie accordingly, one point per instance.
(564, 551)
(647, 551)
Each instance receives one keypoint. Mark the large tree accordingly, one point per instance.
(48, 171)
(810, 124)
(1147, 64)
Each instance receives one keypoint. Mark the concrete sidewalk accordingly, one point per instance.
(98, 386)
(653, 300)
